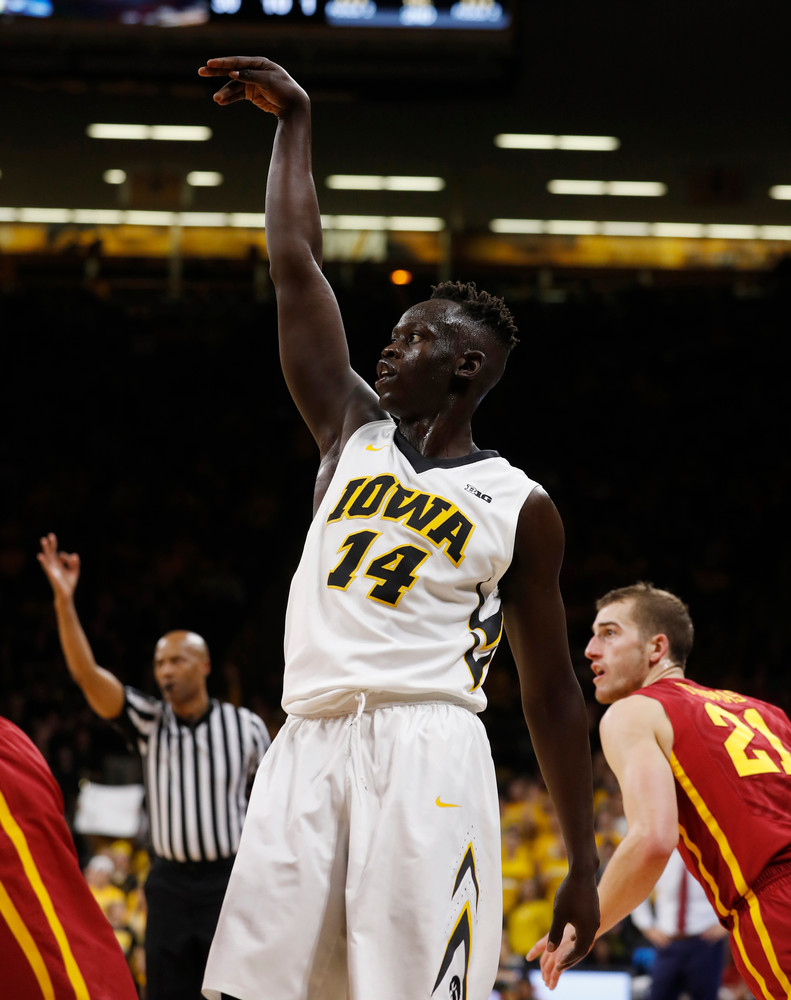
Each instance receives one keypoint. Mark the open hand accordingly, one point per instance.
(573, 931)
(552, 961)
(256, 79)
(62, 568)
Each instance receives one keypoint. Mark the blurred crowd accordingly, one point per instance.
(157, 439)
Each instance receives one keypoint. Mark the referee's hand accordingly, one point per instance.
(62, 568)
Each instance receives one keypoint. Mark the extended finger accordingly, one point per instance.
(537, 949)
(233, 91)
(221, 66)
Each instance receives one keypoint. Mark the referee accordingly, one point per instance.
(199, 756)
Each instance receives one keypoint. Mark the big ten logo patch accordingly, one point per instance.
(459, 940)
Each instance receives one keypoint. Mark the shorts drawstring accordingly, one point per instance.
(357, 736)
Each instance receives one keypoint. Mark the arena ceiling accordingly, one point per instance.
(695, 95)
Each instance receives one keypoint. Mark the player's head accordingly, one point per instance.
(181, 665)
(451, 348)
(638, 632)
(481, 309)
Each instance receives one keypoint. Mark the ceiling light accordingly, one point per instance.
(48, 215)
(571, 227)
(780, 191)
(105, 130)
(142, 218)
(247, 220)
(732, 232)
(181, 133)
(204, 178)
(774, 232)
(414, 183)
(515, 226)
(601, 143)
(518, 140)
(202, 219)
(167, 133)
(626, 229)
(377, 182)
(682, 229)
(577, 187)
(399, 223)
(635, 189)
(97, 216)
(114, 176)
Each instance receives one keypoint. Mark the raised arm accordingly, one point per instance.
(103, 691)
(331, 397)
(633, 732)
(554, 710)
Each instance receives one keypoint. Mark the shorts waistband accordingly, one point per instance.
(772, 873)
(359, 702)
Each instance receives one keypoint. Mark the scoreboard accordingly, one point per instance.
(495, 15)
(461, 14)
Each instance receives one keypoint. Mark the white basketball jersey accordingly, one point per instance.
(396, 593)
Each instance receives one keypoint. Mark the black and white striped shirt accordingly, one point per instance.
(196, 775)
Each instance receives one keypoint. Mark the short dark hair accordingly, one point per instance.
(481, 306)
(657, 611)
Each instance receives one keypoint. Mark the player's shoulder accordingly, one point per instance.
(636, 709)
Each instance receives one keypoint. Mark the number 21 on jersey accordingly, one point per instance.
(747, 760)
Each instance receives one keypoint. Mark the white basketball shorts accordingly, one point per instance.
(369, 865)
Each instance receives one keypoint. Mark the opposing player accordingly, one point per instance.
(55, 942)
(706, 769)
(370, 859)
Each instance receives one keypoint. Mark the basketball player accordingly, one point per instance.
(711, 766)
(370, 859)
(55, 942)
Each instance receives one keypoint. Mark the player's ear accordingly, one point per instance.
(658, 648)
(470, 364)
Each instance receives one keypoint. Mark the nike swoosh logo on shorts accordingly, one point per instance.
(370, 447)
(447, 805)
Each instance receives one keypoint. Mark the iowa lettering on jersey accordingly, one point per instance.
(430, 516)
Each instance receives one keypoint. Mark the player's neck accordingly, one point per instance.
(439, 438)
(664, 670)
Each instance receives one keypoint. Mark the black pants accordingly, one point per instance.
(184, 901)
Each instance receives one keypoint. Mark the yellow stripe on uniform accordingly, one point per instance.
(693, 848)
(14, 831)
(738, 880)
(25, 941)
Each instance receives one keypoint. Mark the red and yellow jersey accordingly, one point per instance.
(732, 765)
(55, 942)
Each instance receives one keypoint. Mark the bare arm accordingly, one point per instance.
(331, 397)
(629, 741)
(631, 730)
(554, 709)
(103, 691)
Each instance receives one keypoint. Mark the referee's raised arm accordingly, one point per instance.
(103, 690)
